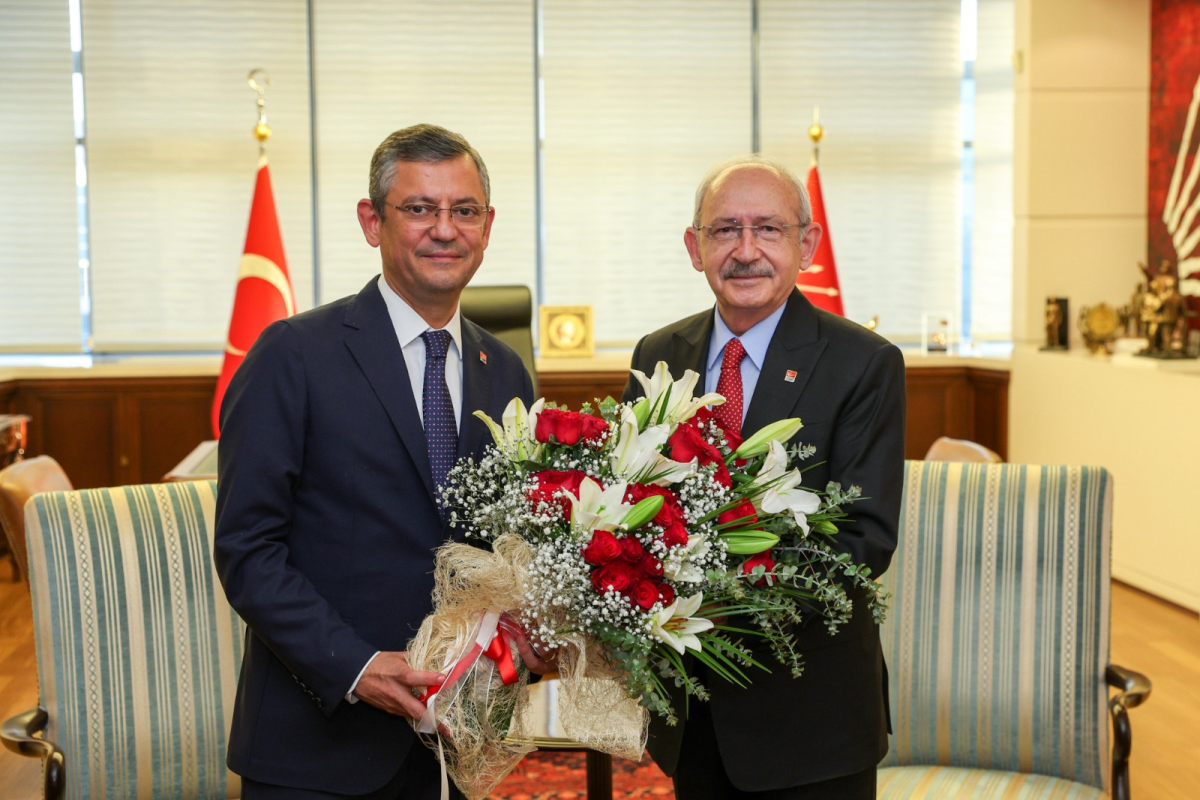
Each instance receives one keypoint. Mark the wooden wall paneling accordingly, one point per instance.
(572, 389)
(114, 431)
(76, 422)
(166, 423)
(989, 407)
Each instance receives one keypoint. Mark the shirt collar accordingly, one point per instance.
(409, 324)
(755, 341)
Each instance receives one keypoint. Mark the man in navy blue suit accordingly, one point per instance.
(335, 432)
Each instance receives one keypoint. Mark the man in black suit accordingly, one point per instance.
(775, 356)
(335, 431)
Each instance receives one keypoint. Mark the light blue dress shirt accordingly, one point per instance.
(755, 341)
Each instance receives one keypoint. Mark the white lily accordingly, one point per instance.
(779, 488)
(675, 625)
(517, 428)
(679, 565)
(671, 401)
(636, 457)
(596, 508)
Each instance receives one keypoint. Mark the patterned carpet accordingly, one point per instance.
(562, 775)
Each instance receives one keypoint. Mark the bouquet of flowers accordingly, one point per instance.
(625, 537)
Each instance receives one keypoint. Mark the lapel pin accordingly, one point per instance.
(483, 358)
(790, 376)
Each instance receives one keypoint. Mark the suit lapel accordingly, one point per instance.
(372, 342)
(477, 385)
(689, 348)
(791, 357)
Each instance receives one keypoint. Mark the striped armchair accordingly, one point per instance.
(997, 638)
(138, 651)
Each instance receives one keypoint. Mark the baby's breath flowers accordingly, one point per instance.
(658, 535)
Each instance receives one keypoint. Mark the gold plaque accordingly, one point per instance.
(566, 331)
(1099, 325)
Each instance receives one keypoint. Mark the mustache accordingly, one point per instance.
(759, 268)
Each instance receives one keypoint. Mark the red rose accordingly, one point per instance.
(650, 566)
(666, 593)
(670, 512)
(602, 549)
(550, 482)
(644, 594)
(568, 427)
(675, 534)
(743, 513)
(631, 549)
(763, 559)
(615, 577)
(686, 443)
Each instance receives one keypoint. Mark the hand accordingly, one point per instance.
(535, 661)
(388, 684)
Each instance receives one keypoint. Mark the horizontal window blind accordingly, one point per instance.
(991, 240)
(381, 66)
(172, 160)
(641, 99)
(39, 234)
(886, 77)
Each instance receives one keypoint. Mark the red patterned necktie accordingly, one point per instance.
(729, 385)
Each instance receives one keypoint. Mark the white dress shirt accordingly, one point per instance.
(409, 326)
(755, 341)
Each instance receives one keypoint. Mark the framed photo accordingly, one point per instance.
(566, 332)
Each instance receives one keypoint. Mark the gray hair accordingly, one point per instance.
(804, 211)
(423, 143)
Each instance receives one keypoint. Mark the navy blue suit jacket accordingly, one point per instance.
(326, 527)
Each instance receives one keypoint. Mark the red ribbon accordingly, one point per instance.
(498, 650)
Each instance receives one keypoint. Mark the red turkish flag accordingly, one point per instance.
(264, 288)
(820, 281)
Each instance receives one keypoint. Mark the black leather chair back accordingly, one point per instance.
(506, 312)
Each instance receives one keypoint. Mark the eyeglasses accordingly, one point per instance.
(425, 215)
(766, 232)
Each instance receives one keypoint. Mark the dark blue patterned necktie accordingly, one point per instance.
(437, 411)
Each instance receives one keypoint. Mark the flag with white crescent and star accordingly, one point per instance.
(264, 288)
(820, 281)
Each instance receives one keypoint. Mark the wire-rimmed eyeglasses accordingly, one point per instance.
(426, 215)
(731, 230)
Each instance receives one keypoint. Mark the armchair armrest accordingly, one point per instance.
(17, 733)
(1134, 689)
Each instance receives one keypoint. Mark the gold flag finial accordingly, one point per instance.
(816, 132)
(259, 80)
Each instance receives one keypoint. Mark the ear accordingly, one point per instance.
(370, 221)
(487, 227)
(691, 240)
(808, 245)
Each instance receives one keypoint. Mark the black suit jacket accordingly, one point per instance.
(326, 526)
(849, 393)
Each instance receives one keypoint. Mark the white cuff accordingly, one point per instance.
(350, 698)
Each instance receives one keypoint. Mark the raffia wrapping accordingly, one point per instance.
(481, 747)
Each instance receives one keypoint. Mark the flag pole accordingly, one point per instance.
(259, 81)
(816, 132)
(264, 286)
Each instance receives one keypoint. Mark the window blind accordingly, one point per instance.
(991, 242)
(886, 77)
(641, 99)
(39, 235)
(381, 66)
(172, 160)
